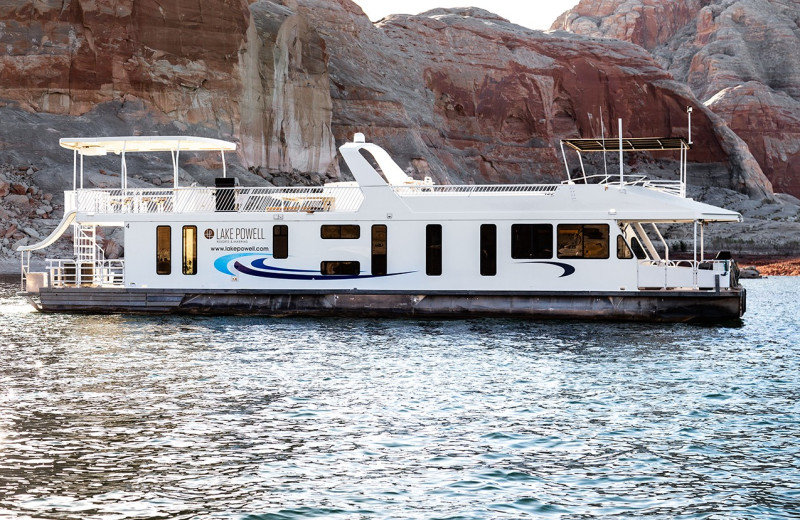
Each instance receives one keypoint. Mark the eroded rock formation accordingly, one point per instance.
(740, 57)
(459, 94)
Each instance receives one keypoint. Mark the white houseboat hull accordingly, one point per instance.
(385, 245)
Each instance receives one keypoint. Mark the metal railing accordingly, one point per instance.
(674, 187)
(25, 270)
(70, 273)
(201, 200)
(672, 274)
(677, 188)
(470, 190)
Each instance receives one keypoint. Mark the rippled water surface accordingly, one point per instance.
(254, 418)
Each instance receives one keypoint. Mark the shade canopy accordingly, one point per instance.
(633, 144)
(144, 143)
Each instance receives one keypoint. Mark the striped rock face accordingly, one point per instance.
(741, 58)
(459, 94)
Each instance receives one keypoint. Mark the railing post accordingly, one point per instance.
(694, 256)
(621, 169)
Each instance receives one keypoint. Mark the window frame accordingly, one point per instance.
(184, 256)
(488, 250)
(330, 265)
(624, 251)
(517, 237)
(164, 267)
(583, 240)
(280, 239)
(434, 237)
(336, 231)
(379, 249)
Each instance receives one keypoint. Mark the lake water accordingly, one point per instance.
(253, 418)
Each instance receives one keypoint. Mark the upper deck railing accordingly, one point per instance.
(673, 187)
(260, 200)
(203, 200)
(473, 189)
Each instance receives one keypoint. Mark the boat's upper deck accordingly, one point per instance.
(376, 175)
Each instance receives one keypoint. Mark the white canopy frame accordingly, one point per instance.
(98, 146)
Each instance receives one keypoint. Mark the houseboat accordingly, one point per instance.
(386, 244)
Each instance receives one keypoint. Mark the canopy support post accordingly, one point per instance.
(124, 168)
(702, 242)
(661, 238)
(566, 166)
(224, 169)
(621, 170)
(175, 166)
(694, 255)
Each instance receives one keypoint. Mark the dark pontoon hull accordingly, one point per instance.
(672, 306)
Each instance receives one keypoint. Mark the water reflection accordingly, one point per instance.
(185, 417)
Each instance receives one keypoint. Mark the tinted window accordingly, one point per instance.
(623, 251)
(379, 247)
(280, 241)
(582, 241)
(189, 250)
(433, 249)
(345, 231)
(488, 250)
(340, 268)
(163, 250)
(531, 241)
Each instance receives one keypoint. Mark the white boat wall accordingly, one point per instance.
(386, 244)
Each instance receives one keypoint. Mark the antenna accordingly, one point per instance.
(689, 113)
(603, 137)
(621, 170)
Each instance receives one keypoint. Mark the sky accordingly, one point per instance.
(534, 14)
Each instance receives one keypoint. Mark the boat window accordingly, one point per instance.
(582, 241)
(433, 250)
(189, 249)
(623, 251)
(532, 241)
(379, 247)
(163, 250)
(488, 250)
(344, 231)
(280, 241)
(340, 268)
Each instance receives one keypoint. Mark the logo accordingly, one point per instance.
(208, 233)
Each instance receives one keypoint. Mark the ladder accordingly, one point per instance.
(89, 256)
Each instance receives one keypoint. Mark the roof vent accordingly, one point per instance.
(359, 138)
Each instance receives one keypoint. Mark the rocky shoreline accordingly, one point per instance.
(771, 266)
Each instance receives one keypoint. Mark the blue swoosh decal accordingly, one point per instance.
(568, 269)
(221, 263)
(290, 276)
(296, 276)
(258, 267)
(261, 265)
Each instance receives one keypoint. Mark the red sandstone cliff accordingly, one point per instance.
(740, 57)
(459, 94)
